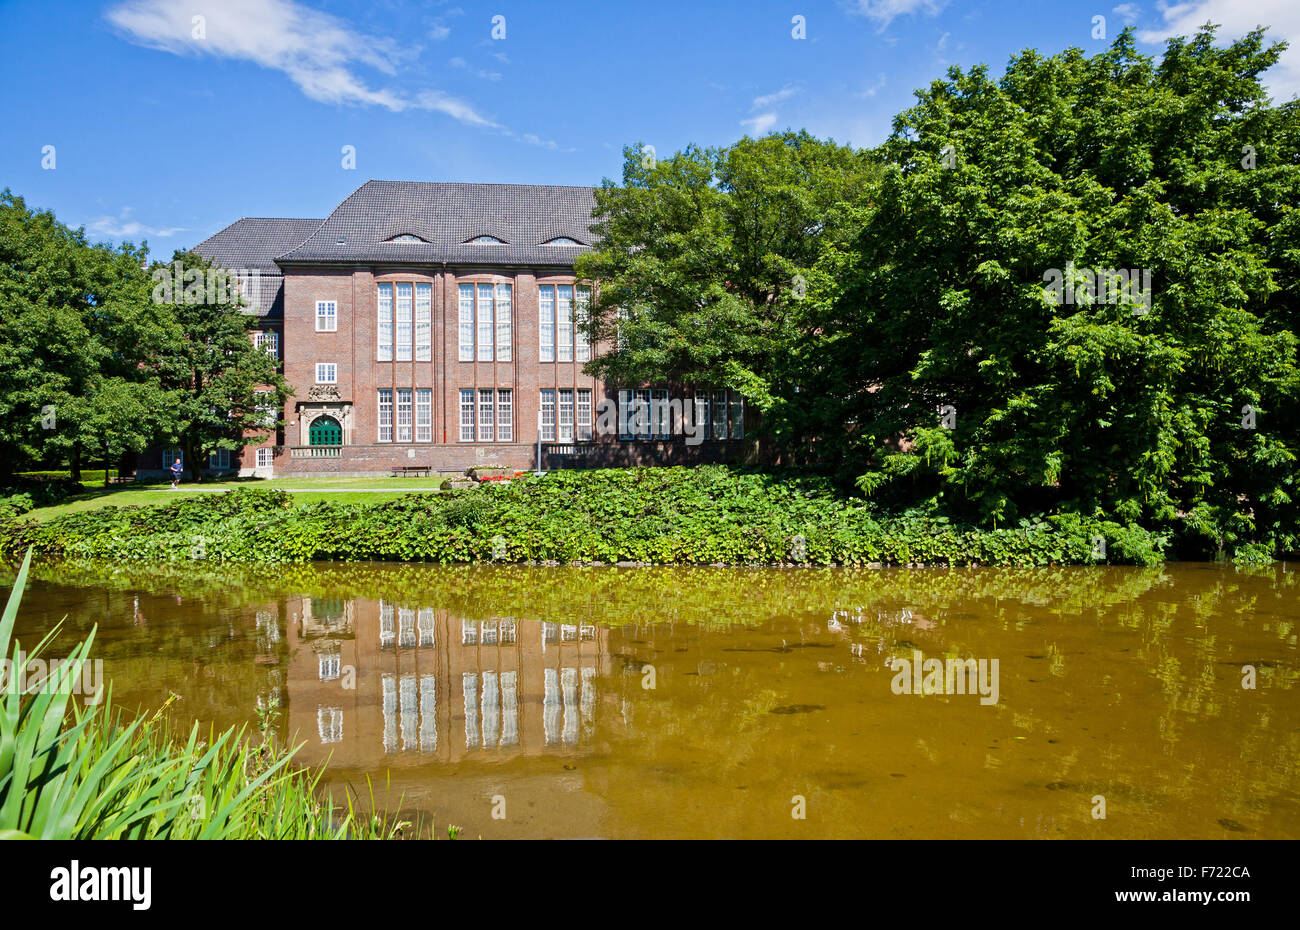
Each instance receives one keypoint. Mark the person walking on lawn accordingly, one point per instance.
(176, 473)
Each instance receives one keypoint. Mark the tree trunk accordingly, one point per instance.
(75, 462)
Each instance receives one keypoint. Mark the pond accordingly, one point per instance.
(602, 701)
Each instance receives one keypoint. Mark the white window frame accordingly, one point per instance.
(385, 423)
(625, 413)
(467, 404)
(328, 369)
(423, 322)
(581, 317)
(643, 396)
(404, 408)
(384, 323)
(564, 322)
(268, 411)
(564, 415)
(505, 322)
(661, 425)
(484, 307)
(327, 316)
(268, 342)
(424, 414)
(546, 323)
(466, 329)
(737, 416)
(582, 415)
(718, 426)
(486, 414)
(546, 414)
(505, 415)
(404, 298)
(265, 458)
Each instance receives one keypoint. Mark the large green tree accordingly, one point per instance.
(965, 340)
(1175, 408)
(79, 345)
(707, 259)
(226, 393)
(101, 356)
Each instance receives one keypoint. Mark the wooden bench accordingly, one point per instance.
(405, 471)
(122, 479)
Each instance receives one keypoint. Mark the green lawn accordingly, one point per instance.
(306, 491)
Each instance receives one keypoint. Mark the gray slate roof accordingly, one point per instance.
(445, 215)
(255, 241)
(251, 244)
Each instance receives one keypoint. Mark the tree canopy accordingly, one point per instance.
(1073, 288)
(93, 365)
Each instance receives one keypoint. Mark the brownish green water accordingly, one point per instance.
(671, 702)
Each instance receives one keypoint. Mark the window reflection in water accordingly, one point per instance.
(385, 676)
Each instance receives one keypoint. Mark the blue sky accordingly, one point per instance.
(166, 129)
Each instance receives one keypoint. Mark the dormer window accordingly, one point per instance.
(406, 237)
(562, 240)
(485, 240)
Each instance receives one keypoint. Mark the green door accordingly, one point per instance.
(325, 431)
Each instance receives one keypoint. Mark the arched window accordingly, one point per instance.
(486, 240)
(325, 431)
(406, 237)
(562, 240)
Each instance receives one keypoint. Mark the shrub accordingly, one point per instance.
(661, 515)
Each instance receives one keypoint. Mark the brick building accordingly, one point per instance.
(439, 325)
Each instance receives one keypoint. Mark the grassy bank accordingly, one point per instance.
(70, 498)
(75, 769)
(710, 515)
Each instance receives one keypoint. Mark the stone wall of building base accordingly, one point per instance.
(384, 459)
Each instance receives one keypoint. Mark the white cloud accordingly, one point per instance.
(477, 72)
(440, 30)
(771, 100)
(884, 12)
(1236, 19)
(317, 51)
(761, 122)
(454, 107)
(1128, 12)
(534, 139)
(872, 89)
(122, 227)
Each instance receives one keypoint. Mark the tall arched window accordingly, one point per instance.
(325, 431)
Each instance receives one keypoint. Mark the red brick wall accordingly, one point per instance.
(352, 348)
(360, 376)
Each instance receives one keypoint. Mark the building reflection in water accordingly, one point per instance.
(419, 683)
